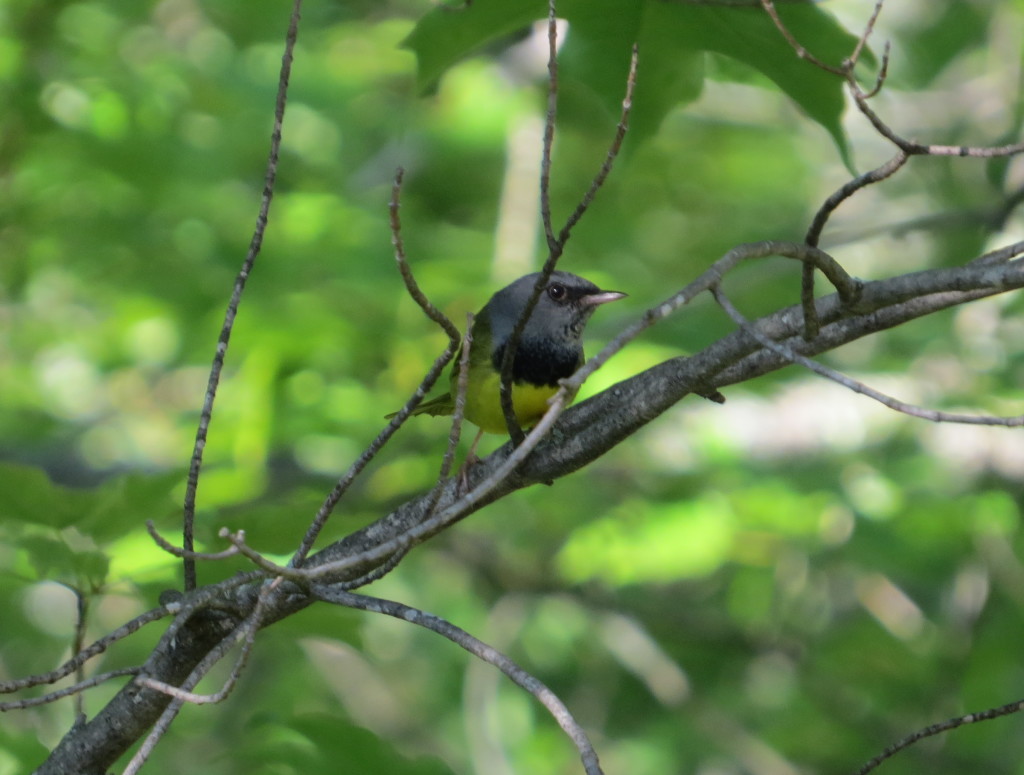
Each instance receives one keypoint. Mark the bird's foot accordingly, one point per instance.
(462, 477)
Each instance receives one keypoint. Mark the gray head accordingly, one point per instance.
(551, 346)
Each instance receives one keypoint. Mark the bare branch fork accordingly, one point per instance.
(906, 148)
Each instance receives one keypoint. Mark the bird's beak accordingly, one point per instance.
(601, 297)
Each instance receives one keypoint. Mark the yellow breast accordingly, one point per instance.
(483, 403)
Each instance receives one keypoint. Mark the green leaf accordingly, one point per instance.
(118, 505)
(595, 61)
(49, 557)
(445, 36)
(124, 503)
(30, 497)
(82, 568)
(671, 38)
(749, 36)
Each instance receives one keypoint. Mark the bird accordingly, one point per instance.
(550, 348)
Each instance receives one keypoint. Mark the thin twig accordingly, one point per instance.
(167, 546)
(855, 385)
(458, 413)
(84, 655)
(847, 190)
(883, 73)
(851, 62)
(237, 539)
(914, 148)
(846, 71)
(801, 52)
(454, 336)
(479, 649)
(196, 462)
(549, 129)
(81, 618)
(945, 726)
(75, 689)
(405, 270)
(155, 735)
(907, 147)
(301, 574)
(999, 255)
(813, 236)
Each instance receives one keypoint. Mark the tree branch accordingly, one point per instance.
(583, 434)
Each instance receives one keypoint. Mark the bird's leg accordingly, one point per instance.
(471, 460)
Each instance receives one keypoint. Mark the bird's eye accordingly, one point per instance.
(556, 291)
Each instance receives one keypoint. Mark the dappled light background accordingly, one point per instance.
(786, 583)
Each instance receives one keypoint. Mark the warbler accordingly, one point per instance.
(549, 349)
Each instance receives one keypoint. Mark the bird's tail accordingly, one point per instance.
(441, 405)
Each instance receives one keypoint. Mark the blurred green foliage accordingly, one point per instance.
(786, 583)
